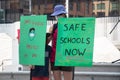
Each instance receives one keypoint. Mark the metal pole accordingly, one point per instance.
(30, 6)
(5, 12)
(101, 15)
(118, 9)
(109, 9)
(73, 73)
(67, 7)
(92, 7)
(116, 61)
(114, 27)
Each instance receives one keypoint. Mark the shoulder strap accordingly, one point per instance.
(54, 27)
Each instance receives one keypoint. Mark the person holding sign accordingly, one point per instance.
(59, 11)
(42, 72)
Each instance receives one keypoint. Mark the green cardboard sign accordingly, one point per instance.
(32, 40)
(75, 42)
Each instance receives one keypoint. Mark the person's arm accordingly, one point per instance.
(50, 37)
(50, 29)
(31, 66)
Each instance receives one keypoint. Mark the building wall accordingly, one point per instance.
(12, 10)
(15, 8)
(84, 9)
(106, 10)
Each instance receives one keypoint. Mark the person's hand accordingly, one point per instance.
(31, 67)
(50, 29)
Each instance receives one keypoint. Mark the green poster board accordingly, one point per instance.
(32, 40)
(75, 42)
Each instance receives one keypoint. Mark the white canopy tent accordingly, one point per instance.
(105, 51)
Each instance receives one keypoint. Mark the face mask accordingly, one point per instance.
(32, 34)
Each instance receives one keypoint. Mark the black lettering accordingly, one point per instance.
(74, 52)
(83, 27)
(78, 40)
(73, 40)
(69, 40)
(82, 40)
(66, 27)
(88, 40)
(81, 53)
(76, 26)
(71, 27)
(62, 40)
(67, 52)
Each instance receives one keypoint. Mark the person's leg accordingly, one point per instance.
(57, 75)
(56, 72)
(36, 78)
(50, 75)
(67, 75)
(40, 78)
(45, 78)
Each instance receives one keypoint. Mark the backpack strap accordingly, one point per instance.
(54, 28)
